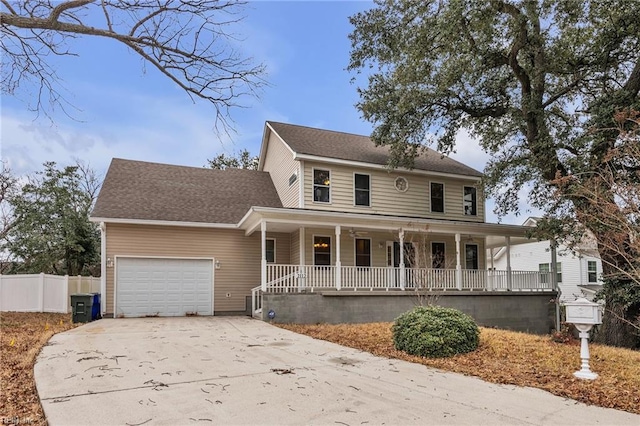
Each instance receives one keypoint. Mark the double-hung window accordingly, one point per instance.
(363, 252)
(471, 256)
(362, 189)
(470, 201)
(321, 186)
(271, 250)
(321, 250)
(437, 255)
(437, 197)
(592, 271)
(545, 270)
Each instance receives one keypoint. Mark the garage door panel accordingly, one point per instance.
(165, 287)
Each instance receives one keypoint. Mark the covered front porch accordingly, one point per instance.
(310, 251)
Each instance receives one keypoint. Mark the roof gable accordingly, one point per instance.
(162, 192)
(351, 147)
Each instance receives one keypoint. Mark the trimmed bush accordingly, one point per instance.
(435, 332)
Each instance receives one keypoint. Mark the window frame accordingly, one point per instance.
(355, 251)
(431, 183)
(314, 184)
(444, 255)
(313, 245)
(355, 190)
(474, 201)
(594, 272)
(266, 255)
(548, 271)
(477, 259)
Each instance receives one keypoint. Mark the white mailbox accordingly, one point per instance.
(584, 315)
(582, 311)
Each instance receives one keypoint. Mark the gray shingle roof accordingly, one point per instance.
(347, 146)
(152, 191)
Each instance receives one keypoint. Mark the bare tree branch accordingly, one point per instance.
(189, 41)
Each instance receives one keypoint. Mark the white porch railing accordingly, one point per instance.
(295, 278)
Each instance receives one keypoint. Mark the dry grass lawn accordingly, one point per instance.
(513, 358)
(22, 336)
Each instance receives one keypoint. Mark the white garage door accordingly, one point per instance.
(164, 287)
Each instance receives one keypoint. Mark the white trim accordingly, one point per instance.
(282, 139)
(115, 276)
(165, 223)
(464, 214)
(313, 248)
(475, 228)
(274, 249)
(355, 250)
(313, 184)
(354, 190)
(444, 198)
(298, 156)
(301, 185)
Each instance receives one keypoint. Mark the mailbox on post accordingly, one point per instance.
(584, 314)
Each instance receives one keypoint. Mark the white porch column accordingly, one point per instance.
(301, 270)
(403, 277)
(263, 261)
(338, 263)
(103, 268)
(458, 264)
(492, 274)
(508, 254)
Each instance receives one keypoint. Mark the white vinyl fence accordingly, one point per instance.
(42, 292)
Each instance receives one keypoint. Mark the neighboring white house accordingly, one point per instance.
(578, 272)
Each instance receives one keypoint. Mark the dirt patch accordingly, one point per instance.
(22, 336)
(513, 358)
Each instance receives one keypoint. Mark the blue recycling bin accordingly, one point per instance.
(95, 307)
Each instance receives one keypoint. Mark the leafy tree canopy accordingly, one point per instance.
(51, 232)
(537, 82)
(241, 160)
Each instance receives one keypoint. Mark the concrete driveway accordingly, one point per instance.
(220, 370)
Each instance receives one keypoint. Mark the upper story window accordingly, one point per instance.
(322, 250)
(470, 201)
(471, 256)
(592, 271)
(437, 255)
(363, 252)
(362, 188)
(437, 197)
(321, 186)
(271, 250)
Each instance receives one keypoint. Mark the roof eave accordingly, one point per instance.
(163, 222)
(298, 156)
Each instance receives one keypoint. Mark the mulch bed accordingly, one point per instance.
(22, 336)
(513, 358)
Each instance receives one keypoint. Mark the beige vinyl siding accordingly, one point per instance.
(295, 247)
(280, 164)
(385, 199)
(239, 256)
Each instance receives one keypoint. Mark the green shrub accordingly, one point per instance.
(435, 332)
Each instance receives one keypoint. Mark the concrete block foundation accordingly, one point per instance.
(531, 312)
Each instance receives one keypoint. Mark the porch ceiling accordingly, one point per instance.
(289, 220)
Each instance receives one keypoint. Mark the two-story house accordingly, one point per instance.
(322, 213)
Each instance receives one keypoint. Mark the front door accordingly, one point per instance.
(393, 261)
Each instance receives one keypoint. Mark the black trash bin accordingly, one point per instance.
(95, 307)
(81, 307)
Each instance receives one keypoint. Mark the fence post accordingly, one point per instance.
(65, 294)
(79, 284)
(41, 295)
(1, 294)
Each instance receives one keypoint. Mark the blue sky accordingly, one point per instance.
(127, 110)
